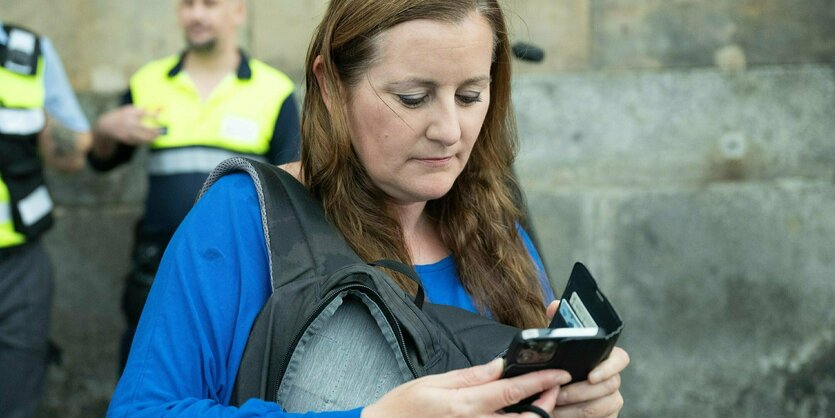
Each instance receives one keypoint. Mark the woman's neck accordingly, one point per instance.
(420, 234)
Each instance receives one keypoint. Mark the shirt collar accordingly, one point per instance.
(244, 71)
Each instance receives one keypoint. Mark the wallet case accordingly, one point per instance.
(583, 306)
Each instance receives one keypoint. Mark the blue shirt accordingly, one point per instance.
(213, 281)
(59, 101)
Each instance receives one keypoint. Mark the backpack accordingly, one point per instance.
(313, 269)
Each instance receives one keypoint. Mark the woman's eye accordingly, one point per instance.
(469, 98)
(411, 100)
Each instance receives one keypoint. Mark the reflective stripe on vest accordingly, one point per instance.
(35, 206)
(239, 115)
(32, 209)
(189, 160)
(21, 121)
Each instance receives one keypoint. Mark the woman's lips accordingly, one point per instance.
(435, 161)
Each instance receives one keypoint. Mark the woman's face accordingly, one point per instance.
(416, 114)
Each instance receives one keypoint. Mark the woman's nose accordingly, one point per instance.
(445, 126)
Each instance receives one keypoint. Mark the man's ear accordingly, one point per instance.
(239, 12)
(319, 72)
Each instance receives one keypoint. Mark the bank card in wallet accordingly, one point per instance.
(581, 335)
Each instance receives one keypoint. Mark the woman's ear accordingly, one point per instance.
(319, 72)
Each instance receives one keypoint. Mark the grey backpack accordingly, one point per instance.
(308, 348)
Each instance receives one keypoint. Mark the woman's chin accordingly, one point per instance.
(423, 194)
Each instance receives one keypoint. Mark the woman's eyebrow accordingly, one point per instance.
(425, 82)
(412, 82)
(477, 80)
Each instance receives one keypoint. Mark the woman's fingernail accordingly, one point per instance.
(594, 377)
(560, 378)
(496, 365)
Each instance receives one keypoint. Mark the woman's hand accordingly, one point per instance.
(473, 392)
(599, 396)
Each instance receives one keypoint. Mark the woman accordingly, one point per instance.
(408, 142)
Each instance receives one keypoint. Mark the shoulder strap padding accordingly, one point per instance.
(299, 238)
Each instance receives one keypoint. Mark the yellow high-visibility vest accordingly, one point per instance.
(237, 118)
(21, 115)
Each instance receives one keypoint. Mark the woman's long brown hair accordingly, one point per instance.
(478, 218)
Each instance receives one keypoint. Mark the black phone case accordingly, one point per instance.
(577, 355)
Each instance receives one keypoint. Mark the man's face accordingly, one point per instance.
(207, 23)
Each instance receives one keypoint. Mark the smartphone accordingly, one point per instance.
(580, 336)
(576, 350)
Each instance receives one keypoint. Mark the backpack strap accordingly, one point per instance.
(298, 236)
(407, 271)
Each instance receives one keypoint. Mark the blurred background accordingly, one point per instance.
(684, 150)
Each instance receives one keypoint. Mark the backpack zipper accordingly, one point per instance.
(321, 306)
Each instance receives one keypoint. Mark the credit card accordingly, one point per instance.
(581, 311)
(569, 316)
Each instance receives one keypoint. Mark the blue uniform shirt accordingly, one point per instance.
(212, 283)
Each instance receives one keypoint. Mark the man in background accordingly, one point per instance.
(193, 111)
(32, 80)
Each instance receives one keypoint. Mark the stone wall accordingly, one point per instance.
(707, 212)
(683, 149)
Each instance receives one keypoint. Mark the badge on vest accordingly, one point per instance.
(239, 129)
